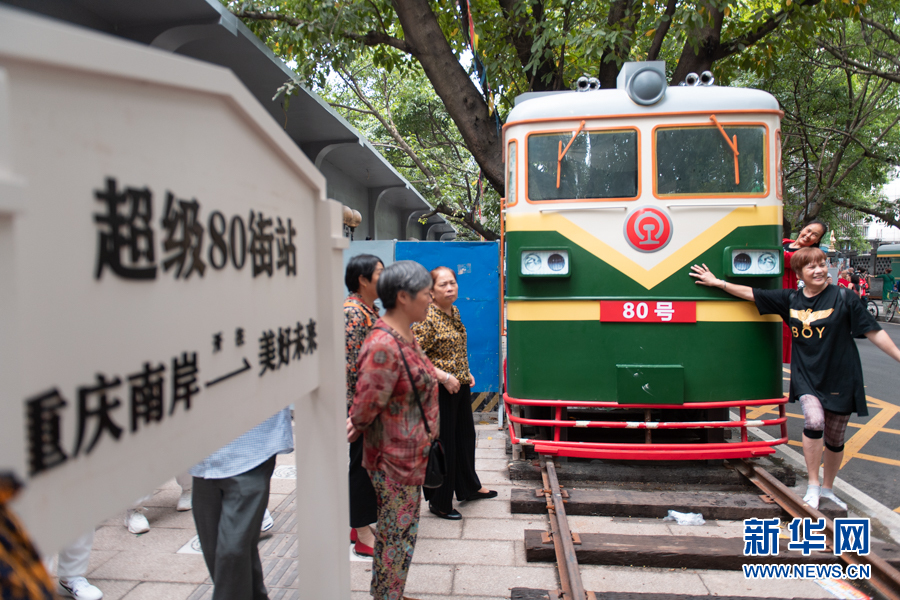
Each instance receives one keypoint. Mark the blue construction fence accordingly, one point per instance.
(477, 265)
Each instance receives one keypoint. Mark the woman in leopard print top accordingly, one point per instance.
(442, 336)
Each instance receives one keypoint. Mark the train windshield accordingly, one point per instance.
(582, 165)
(715, 160)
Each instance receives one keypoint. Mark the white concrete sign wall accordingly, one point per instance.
(169, 278)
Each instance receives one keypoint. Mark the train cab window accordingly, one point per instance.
(582, 165)
(511, 161)
(716, 160)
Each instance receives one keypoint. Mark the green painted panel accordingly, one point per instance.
(576, 360)
(593, 278)
(650, 384)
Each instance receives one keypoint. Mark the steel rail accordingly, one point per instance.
(566, 559)
(885, 578)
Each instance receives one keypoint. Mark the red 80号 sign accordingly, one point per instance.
(650, 311)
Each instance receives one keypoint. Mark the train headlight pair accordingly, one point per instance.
(755, 262)
(542, 262)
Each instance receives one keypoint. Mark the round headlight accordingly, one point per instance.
(532, 263)
(556, 262)
(742, 262)
(767, 261)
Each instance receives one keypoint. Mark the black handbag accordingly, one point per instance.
(436, 470)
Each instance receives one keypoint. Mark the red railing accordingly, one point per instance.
(648, 450)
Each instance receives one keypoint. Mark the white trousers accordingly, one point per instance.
(74, 559)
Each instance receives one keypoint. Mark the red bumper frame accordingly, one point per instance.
(649, 450)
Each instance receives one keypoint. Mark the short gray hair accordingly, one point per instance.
(402, 276)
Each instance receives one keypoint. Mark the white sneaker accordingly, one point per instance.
(184, 501)
(827, 493)
(812, 496)
(136, 522)
(78, 588)
(267, 523)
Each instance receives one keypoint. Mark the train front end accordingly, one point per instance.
(612, 350)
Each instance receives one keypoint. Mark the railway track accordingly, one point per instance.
(885, 578)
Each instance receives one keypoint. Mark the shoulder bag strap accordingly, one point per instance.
(411, 382)
(355, 304)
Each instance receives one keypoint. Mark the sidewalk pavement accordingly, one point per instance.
(480, 557)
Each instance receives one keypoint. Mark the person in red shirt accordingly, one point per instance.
(844, 279)
(809, 236)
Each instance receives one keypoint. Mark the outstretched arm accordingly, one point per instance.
(884, 342)
(705, 277)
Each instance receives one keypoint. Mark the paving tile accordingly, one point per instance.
(732, 583)
(586, 524)
(435, 579)
(140, 566)
(492, 464)
(158, 539)
(521, 558)
(492, 478)
(492, 453)
(361, 576)
(503, 490)
(492, 508)
(433, 527)
(160, 591)
(286, 459)
(112, 589)
(419, 596)
(494, 441)
(275, 501)
(464, 552)
(489, 581)
(599, 578)
(500, 529)
(630, 528)
(283, 486)
(99, 557)
(164, 497)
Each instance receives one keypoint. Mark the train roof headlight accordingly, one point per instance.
(644, 82)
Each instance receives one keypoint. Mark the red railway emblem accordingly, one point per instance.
(648, 229)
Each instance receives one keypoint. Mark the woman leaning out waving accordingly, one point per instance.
(826, 373)
(396, 393)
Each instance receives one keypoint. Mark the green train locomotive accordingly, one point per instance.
(612, 350)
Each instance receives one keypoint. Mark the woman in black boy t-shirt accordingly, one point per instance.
(826, 373)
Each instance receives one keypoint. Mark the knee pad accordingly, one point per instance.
(834, 448)
(813, 434)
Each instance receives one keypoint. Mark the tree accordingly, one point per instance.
(520, 45)
(840, 133)
(401, 115)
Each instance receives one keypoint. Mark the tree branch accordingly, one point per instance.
(662, 30)
(889, 218)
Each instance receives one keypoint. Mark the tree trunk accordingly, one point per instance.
(461, 97)
(709, 39)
